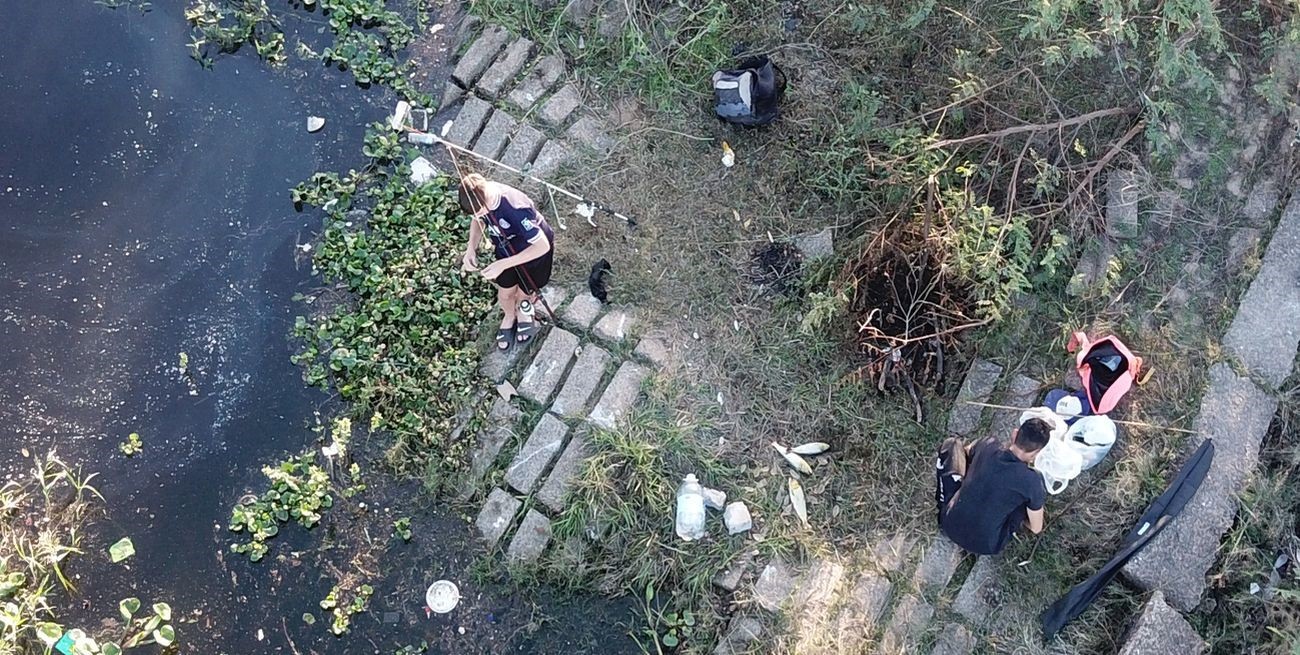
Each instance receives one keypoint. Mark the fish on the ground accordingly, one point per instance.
(812, 448)
(795, 461)
(797, 500)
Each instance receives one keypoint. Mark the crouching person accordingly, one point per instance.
(524, 246)
(986, 491)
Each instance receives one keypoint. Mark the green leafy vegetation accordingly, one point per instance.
(665, 629)
(121, 550)
(132, 446)
(135, 631)
(343, 610)
(367, 38)
(402, 528)
(225, 26)
(300, 491)
(42, 513)
(400, 346)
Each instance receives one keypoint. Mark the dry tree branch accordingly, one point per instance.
(1036, 127)
(1115, 149)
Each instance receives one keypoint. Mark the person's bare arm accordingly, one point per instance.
(470, 260)
(1034, 520)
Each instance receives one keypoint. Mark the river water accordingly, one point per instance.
(144, 213)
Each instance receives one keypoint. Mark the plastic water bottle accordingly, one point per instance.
(690, 509)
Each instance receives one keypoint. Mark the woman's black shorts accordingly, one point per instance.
(538, 271)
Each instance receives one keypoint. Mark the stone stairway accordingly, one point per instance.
(576, 377)
(1235, 412)
(518, 107)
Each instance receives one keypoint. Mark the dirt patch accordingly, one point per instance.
(776, 266)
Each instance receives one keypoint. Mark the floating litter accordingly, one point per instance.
(442, 596)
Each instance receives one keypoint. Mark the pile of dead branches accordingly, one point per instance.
(907, 312)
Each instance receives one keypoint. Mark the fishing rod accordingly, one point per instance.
(424, 137)
(1132, 424)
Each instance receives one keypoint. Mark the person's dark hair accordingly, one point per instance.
(1033, 435)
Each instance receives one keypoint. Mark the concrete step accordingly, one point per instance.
(480, 55)
(964, 418)
(1021, 392)
(616, 402)
(530, 539)
(544, 373)
(1160, 630)
(889, 555)
(774, 586)
(469, 121)
(582, 382)
(817, 591)
(538, 82)
(1266, 330)
(861, 612)
(977, 597)
(541, 447)
(503, 71)
(937, 565)
(953, 639)
(911, 616)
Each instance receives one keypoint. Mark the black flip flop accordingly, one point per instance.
(524, 331)
(503, 339)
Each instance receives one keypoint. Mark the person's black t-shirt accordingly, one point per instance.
(995, 494)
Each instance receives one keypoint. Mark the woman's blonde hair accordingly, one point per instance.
(473, 192)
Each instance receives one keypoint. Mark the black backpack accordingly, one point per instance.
(750, 94)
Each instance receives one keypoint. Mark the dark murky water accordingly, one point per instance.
(144, 212)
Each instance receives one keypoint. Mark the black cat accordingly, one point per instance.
(596, 281)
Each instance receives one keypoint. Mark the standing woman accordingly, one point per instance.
(524, 246)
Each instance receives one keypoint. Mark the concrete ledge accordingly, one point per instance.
(1236, 415)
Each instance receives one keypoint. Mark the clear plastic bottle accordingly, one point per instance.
(690, 509)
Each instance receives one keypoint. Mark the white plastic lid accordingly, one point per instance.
(1069, 406)
(442, 596)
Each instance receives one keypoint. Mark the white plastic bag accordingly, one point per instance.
(1092, 437)
(1058, 424)
(1057, 462)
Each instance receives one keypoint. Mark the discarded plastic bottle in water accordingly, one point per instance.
(690, 509)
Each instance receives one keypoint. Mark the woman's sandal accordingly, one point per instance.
(503, 339)
(524, 331)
